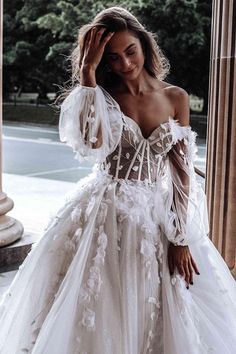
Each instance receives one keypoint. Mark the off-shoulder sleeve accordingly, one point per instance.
(186, 208)
(90, 123)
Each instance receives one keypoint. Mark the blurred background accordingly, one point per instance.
(39, 171)
(39, 35)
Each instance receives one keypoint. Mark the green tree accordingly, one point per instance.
(40, 34)
(183, 30)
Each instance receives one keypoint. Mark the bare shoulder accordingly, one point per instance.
(176, 92)
(179, 98)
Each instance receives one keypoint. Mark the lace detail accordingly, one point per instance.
(91, 289)
(188, 314)
(137, 158)
(89, 123)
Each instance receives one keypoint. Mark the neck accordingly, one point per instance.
(139, 85)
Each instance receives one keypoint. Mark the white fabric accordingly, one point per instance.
(79, 123)
(98, 281)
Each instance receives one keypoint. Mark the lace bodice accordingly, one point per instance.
(92, 123)
(140, 158)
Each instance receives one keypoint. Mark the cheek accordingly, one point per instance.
(138, 57)
(114, 65)
(139, 60)
(141, 55)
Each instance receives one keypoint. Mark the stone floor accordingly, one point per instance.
(35, 200)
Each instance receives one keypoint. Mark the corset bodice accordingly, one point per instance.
(139, 158)
(93, 124)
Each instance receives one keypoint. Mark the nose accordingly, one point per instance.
(126, 64)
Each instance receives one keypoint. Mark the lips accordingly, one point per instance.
(128, 72)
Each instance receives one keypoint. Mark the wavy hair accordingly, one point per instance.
(116, 19)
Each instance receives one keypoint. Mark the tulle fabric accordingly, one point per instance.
(186, 207)
(98, 281)
(90, 123)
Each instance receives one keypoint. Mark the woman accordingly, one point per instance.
(112, 272)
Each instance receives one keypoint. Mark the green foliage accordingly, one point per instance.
(183, 29)
(39, 36)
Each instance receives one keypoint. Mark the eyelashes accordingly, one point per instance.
(115, 58)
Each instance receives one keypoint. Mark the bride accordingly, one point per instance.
(125, 266)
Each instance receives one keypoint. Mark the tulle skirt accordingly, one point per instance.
(97, 282)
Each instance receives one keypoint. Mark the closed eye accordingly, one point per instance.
(114, 58)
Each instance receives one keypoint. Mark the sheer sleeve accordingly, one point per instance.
(186, 209)
(90, 123)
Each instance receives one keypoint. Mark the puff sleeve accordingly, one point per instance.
(186, 209)
(90, 123)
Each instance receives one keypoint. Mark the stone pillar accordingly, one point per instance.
(221, 133)
(10, 228)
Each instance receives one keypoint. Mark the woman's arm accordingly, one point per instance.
(179, 255)
(93, 52)
(88, 122)
(180, 101)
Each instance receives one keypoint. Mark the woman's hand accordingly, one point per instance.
(94, 47)
(180, 257)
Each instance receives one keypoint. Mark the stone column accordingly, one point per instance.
(221, 134)
(10, 228)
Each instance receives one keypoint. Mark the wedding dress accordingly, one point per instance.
(98, 281)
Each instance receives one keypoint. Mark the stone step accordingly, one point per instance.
(11, 256)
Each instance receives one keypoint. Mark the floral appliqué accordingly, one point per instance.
(92, 287)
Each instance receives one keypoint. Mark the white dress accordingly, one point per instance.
(98, 280)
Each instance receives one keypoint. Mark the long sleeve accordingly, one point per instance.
(186, 210)
(90, 122)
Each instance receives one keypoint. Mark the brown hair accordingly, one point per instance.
(119, 19)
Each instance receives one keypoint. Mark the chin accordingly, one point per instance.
(133, 74)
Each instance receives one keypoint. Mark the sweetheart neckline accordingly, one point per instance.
(153, 131)
(170, 118)
(135, 123)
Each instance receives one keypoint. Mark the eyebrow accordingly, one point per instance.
(110, 53)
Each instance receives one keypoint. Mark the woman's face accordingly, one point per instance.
(124, 55)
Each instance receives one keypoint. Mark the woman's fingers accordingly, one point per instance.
(95, 41)
(185, 270)
(91, 37)
(103, 41)
(94, 46)
(194, 266)
(107, 38)
(89, 40)
(181, 258)
(181, 270)
(190, 272)
(187, 275)
(99, 34)
(171, 265)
